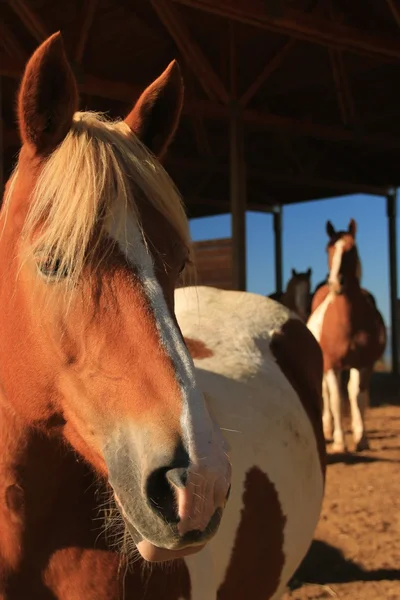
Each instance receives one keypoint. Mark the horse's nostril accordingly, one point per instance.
(178, 477)
(161, 496)
(162, 483)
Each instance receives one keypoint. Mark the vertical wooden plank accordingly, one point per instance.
(238, 199)
(237, 172)
(391, 203)
(278, 249)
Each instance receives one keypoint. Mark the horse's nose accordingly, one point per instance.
(160, 491)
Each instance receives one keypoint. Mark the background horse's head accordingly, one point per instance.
(93, 238)
(299, 289)
(343, 260)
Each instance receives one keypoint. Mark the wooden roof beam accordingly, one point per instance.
(127, 93)
(395, 10)
(29, 18)
(302, 26)
(342, 87)
(88, 12)
(190, 51)
(271, 66)
(11, 45)
(343, 187)
(340, 78)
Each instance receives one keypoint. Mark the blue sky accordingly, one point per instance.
(304, 241)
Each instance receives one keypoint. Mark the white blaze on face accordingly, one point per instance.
(202, 437)
(336, 262)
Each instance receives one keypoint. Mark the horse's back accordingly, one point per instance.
(266, 396)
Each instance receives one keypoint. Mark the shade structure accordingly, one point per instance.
(300, 95)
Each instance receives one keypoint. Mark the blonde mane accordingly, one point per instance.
(98, 172)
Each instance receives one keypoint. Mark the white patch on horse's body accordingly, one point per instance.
(194, 412)
(259, 411)
(316, 320)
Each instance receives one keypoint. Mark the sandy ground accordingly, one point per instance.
(356, 551)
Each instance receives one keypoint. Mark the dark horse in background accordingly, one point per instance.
(297, 296)
(352, 335)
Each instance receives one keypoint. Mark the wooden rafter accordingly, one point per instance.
(291, 153)
(340, 78)
(126, 93)
(232, 61)
(201, 137)
(224, 205)
(395, 10)
(88, 12)
(269, 68)
(30, 19)
(343, 92)
(190, 51)
(284, 179)
(11, 45)
(302, 26)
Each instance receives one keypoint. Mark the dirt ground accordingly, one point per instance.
(356, 551)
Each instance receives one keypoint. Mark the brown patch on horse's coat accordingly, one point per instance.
(300, 359)
(257, 557)
(197, 348)
(353, 334)
(67, 578)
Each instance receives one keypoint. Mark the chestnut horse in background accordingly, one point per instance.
(297, 296)
(104, 419)
(351, 333)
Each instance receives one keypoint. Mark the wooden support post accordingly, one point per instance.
(391, 203)
(278, 249)
(238, 197)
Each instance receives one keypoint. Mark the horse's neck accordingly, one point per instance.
(289, 297)
(42, 486)
(352, 286)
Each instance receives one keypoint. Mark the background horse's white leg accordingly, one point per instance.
(335, 402)
(359, 400)
(326, 415)
(202, 576)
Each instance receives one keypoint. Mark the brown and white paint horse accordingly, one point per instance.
(297, 295)
(352, 335)
(98, 390)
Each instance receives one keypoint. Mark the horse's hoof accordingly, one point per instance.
(363, 444)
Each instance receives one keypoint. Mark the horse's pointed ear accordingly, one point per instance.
(155, 116)
(330, 230)
(352, 228)
(48, 97)
(294, 273)
(309, 271)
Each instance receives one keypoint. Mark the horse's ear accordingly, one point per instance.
(48, 97)
(352, 228)
(330, 230)
(294, 273)
(309, 271)
(155, 116)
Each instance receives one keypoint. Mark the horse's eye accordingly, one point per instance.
(53, 269)
(182, 267)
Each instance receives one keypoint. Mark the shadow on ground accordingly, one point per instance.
(325, 564)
